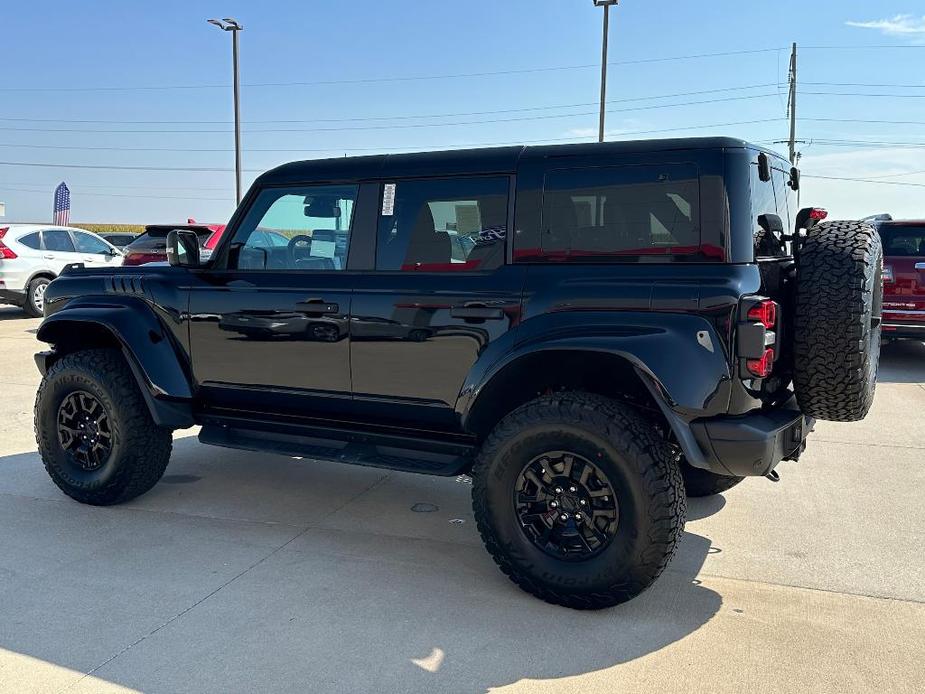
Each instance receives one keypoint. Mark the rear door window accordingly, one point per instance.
(58, 240)
(443, 225)
(621, 213)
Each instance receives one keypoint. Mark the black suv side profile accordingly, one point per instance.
(591, 331)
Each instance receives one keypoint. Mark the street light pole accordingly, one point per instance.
(606, 5)
(232, 25)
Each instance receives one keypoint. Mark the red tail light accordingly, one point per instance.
(818, 214)
(5, 252)
(764, 313)
(761, 367)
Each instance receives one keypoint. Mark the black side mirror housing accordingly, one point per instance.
(794, 178)
(183, 248)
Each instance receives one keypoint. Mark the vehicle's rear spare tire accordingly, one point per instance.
(839, 298)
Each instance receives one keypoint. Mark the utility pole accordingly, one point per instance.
(792, 105)
(606, 5)
(232, 25)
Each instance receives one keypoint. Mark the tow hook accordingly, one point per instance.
(773, 476)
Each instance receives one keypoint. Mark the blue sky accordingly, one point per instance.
(357, 55)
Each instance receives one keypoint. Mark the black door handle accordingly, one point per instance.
(475, 311)
(317, 307)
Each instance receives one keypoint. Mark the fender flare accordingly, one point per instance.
(652, 344)
(148, 349)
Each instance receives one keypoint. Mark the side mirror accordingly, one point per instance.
(764, 167)
(794, 178)
(183, 248)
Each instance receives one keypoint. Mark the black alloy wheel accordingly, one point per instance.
(566, 505)
(84, 430)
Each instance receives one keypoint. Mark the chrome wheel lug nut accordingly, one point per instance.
(564, 517)
(583, 502)
(553, 504)
(558, 490)
(573, 489)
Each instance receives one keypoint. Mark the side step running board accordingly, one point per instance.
(428, 462)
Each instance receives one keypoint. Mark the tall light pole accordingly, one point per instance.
(232, 25)
(606, 5)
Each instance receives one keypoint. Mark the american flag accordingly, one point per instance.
(62, 205)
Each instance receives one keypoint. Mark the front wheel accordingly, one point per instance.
(578, 500)
(94, 431)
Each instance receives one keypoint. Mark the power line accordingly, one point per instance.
(392, 126)
(866, 180)
(397, 117)
(119, 195)
(865, 84)
(406, 78)
(890, 96)
(863, 120)
(391, 149)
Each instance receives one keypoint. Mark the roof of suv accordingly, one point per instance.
(484, 160)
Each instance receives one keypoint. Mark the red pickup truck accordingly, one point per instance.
(903, 278)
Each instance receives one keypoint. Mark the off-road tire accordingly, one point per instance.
(140, 449)
(836, 325)
(644, 474)
(699, 482)
(29, 305)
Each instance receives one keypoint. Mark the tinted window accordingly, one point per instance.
(599, 213)
(57, 240)
(90, 244)
(32, 240)
(301, 228)
(903, 240)
(443, 225)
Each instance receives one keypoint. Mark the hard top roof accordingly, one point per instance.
(485, 160)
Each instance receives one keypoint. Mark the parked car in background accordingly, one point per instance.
(32, 255)
(151, 246)
(903, 277)
(119, 239)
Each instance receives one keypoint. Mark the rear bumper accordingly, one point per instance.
(903, 328)
(752, 444)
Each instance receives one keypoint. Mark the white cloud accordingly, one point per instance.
(898, 25)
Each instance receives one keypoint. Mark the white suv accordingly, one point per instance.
(32, 255)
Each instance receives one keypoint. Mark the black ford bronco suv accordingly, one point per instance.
(590, 331)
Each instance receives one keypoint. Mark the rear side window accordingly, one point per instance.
(773, 197)
(443, 225)
(621, 213)
(58, 240)
(32, 240)
(903, 241)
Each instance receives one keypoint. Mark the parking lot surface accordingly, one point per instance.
(249, 572)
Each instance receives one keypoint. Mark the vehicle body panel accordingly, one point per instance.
(904, 285)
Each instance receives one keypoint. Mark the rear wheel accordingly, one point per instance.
(837, 315)
(94, 431)
(578, 500)
(35, 297)
(699, 482)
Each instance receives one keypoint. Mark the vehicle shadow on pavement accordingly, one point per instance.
(12, 313)
(252, 572)
(902, 361)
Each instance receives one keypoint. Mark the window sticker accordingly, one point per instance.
(388, 200)
(323, 249)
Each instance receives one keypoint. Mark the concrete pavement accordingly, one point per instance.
(244, 572)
